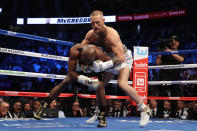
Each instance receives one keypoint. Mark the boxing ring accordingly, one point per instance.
(114, 124)
(128, 123)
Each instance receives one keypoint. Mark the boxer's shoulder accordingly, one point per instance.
(112, 31)
(74, 51)
(90, 34)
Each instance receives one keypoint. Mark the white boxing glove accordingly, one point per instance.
(92, 82)
(99, 66)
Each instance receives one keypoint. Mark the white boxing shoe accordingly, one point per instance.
(145, 115)
(93, 118)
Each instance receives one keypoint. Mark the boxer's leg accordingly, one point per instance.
(102, 101)
(123, 76)
(54, 93)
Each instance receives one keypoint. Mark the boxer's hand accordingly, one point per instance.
(92, 82)
(99, 66)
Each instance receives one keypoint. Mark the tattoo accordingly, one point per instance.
(116, 61)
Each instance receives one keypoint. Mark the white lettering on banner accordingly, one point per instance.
(176, 12)
(140, 71)
(141, 65)
(85, 95)
(140, 53)
(51, 76)
(125, 18)
(138, 17)
(174, 98)
(173, 66)
(113, 96)
(140, 82)
(11, 51)
(11, 93)
(50, 56)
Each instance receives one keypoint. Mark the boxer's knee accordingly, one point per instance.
(101, 86)
(122, 84)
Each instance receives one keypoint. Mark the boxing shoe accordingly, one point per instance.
(145, 115)
(93, 118)
(102, 120)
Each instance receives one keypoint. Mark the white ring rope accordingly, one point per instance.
(61, 58)
(178, 66)
(54, 76)
(32, 54)
(31, 74)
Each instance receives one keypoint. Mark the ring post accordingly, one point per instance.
(140, 71)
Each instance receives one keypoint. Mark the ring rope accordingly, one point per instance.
(177, 66)
(32, 54)
(174, 52)
(31, 74)
(50, 40)
(62, 58)
(43, 94)
(34, 37)
(172, 82)
(54, 76)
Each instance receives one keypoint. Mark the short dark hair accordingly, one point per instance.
(175, 37)
(3, 102)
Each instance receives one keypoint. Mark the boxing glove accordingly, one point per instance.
(99, 66)
(92, 82)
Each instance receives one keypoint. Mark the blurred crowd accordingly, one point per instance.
(24, 107)
(138, 33)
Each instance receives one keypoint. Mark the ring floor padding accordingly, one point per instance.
(114, 124)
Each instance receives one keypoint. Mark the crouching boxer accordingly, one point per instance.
(80, 60)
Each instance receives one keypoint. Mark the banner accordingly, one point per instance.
(67, 20)
(151, 15)
(140, 71)
(112, 18)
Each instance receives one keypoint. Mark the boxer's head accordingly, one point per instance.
(88, 55)
(97, 21)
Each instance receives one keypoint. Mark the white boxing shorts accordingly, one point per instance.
(127, 63)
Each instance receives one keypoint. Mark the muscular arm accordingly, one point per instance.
(100, 55)
(72, 64)
(117, 48)
(72, 75)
